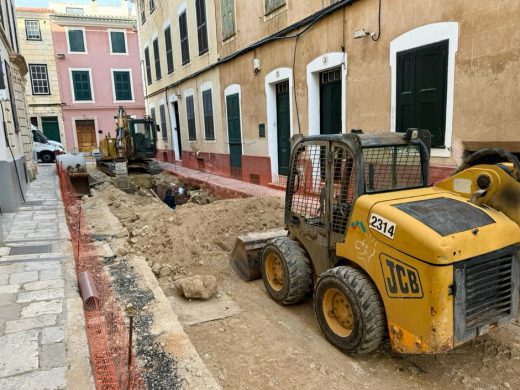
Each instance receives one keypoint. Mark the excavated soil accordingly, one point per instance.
(269, 346)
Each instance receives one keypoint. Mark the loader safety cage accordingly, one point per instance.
(358, 164)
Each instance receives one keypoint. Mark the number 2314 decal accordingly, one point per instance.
(382, 225)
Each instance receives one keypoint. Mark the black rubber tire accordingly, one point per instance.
(369, 320)
(297, 271)
(47, 157)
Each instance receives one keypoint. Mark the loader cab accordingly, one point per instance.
(144, 136)
(329, 172)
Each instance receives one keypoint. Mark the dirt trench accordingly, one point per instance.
(263, 345)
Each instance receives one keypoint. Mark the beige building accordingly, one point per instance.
(315, 67)
(16, 162)
(43, 93)
(178, 42)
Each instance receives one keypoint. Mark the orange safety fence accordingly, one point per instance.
(107, 330)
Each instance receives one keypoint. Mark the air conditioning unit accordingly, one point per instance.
(60, 56)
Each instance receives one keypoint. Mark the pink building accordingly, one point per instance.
(98, 70)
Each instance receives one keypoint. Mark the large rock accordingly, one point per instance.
(197, 287)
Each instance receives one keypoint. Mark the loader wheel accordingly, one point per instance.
(349, 310)
(47, 157)
(286, 271)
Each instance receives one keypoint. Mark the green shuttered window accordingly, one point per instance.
(185, 46)
(147, 65)
(123, 85)
(169, 49)
(157, 59)
(76, 41)
(202, 27)
(81, 84)
(227, 10)
(207, 104)
(117, 39)
(272, 5)
(190, 114)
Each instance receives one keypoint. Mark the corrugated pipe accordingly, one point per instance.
(88, 291)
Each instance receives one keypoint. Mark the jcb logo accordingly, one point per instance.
(401, 280)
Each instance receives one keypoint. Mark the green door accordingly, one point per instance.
(283, 123)
(422, 75)
(234, 136)
(330, 101)
(51, 128)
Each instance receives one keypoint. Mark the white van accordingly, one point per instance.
(45, 149)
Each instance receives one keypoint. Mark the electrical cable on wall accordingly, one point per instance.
(11, 150)
(375, 37)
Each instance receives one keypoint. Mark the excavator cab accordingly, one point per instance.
(144, 137)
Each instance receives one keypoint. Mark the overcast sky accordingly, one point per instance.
(45, 3)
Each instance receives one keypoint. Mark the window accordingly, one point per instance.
(76, 39)
(185, 46)
(202, 27)
(117, 42)
(273, 5)
(157, 59)
(190, 114)
(39, 79)
(152, 6)
(164, 130)
(422, 75)
(147, 64)
(207, 105)
(74, 11)
(32, 30)
(227, 10)
(81, 85)
(169, 51)
(122, 85)
(143, 11)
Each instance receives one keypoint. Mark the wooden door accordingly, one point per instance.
(283, 123)
(330, 101)
(86, 135)
(422, 75)
(51, 128)
(234, 133)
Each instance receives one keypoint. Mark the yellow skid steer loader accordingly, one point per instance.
(385, 254)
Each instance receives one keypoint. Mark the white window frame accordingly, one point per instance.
(421, 36)
(67, 29)
(129, 70)
(111, 30)
(208, 85)
(72, 86)
(271, 80)
(314, 68)
(48, 80)
(39, 30)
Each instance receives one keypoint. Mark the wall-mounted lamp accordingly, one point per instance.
(360, 34)
(60, 56)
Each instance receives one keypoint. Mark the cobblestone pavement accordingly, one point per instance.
(42, 331)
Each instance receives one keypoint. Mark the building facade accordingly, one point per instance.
(178, 41)
(319, 67)
(97, 56)
(16, 162)
(43, 93)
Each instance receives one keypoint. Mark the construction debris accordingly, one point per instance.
(197, 287)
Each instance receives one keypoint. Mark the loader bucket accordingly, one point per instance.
(245, 258)
(80, 183)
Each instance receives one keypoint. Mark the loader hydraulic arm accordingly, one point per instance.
(495, 182)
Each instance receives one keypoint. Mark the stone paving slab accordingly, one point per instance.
(37, 292)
